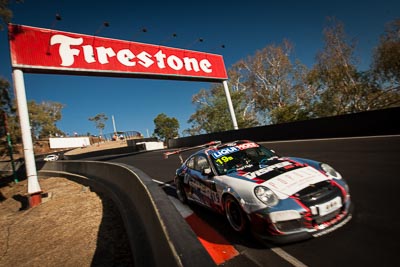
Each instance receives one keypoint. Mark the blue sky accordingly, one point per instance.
(242, 26)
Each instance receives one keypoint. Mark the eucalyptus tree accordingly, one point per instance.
(166, 127)
(335, 73)
(275, 84)
(100, 122)
(44, 117)
(212, 111)
(386, 68)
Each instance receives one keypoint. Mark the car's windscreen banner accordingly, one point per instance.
(39, 50)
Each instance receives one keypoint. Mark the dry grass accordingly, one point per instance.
(73, 226)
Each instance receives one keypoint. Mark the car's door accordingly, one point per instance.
(200, 180)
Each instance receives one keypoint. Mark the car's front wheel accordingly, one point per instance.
(180, 191)
(235, 214)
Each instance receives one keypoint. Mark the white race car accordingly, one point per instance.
(281, 199)
(51, 157)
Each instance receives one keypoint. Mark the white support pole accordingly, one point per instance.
(230, 105)
(113, 121)
(33, 183)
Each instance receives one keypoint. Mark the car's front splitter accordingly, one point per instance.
(262, 228)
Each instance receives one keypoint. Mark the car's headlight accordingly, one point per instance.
(331, 172)
(266, 195)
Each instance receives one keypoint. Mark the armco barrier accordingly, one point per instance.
(369, 123)
(158, 234)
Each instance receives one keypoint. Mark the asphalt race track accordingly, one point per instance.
(370, 166)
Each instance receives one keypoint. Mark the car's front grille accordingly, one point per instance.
(317, 220)
(318, 193)
(287, 226)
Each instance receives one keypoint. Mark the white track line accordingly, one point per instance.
(287, 257)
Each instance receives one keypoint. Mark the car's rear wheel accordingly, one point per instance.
(235, 214)
(180, 191)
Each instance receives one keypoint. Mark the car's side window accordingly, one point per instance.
(190, 163)
(201, 163)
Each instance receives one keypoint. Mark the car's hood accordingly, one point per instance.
(284, 177)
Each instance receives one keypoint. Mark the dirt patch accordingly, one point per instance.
(74, 226)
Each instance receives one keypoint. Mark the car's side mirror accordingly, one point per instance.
(207, 171)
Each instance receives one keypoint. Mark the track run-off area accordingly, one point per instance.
(369, 164)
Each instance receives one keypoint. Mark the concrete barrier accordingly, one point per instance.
(99, 153)
(158, 234)
(369, 123)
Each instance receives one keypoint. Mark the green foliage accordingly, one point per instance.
(344, 89)
(270, 88)
(99, 121)
(386, 68)
(165, 127)
(6, 113)
(387, 54)
(5, 13)
(212, 114)
(336, 74)
(43, 118)
(14, 128)
(5, 104)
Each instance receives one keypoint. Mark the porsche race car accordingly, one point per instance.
(281, 199)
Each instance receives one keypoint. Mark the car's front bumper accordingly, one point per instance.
(301, 229)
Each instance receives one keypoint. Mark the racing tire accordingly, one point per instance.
(180, 191)
(235, 215)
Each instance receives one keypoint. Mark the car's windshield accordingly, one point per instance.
(231, 159)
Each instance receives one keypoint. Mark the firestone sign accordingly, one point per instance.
(38, 50)
(41, 50)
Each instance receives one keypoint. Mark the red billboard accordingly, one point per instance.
(38, 50)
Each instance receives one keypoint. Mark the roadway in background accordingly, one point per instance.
(370, 166)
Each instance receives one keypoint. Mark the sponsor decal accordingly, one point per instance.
(44, 50)
(246, 146)
(204, 191)
(224, 152)
(223, 159)
(290, 182)
(263, 171)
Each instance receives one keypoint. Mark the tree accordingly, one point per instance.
(341, 85)
(265, 88)
(5, 102)
(344, 89)
(386, 68)
(5, 108)
(276, 85)
(166, 127)
(99, 121)
(212, 113)
(43, 118)
(387, 54)
(5, 13)
(8, 116)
